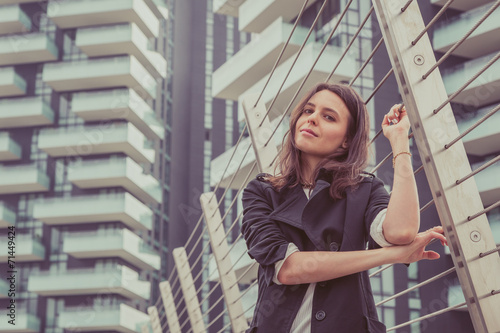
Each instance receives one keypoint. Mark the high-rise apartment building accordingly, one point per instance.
(85, 123)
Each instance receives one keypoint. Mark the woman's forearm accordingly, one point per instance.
(402, 220)
(316, 266)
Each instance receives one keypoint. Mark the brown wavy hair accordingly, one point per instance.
(345, 165)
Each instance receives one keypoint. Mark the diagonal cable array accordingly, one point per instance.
(390, 73)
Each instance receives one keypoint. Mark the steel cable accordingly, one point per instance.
(461, 40)
(282, 50)
(311, 29)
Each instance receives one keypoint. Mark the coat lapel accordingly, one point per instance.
(290, 211)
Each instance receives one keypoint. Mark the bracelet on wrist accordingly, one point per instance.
(394, 158)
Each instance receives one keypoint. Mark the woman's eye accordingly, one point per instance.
(330, 118)
(308, 111)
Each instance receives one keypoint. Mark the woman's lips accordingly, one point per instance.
(309, 132)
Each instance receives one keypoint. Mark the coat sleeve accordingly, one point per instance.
(265, 241)
(378, 200)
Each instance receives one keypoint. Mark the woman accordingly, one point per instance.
(309, 226)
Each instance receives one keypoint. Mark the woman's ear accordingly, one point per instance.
(345, 145)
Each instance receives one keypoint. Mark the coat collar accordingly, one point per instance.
(290, 210)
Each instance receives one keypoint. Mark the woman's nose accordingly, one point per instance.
(312, 119)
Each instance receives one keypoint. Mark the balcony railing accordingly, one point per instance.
(122, 243)
(118, 104)
(239, 268)
(25, 323)
(4, 288)
(121, 280)
(227, 7)
(10, 150)
(97, 140)
(121, 39)
(82, 13)
(23, 179)
(321, 70)
(482, 91)
(256, 15)
(217, 166)
(13, 20)
(27, 48)
(101, 73)
(255, 60)
(93, 209)
(25, 112)
(11, 84)
(28, 249)
(123, 318)
(482, 41)
(484, 139)
(116, 172)
(488, 183)
(7, 216)
(461, 5)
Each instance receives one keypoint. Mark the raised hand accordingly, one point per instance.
(416, 250)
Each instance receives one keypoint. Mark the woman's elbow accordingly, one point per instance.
(401, 237)
(287, 275)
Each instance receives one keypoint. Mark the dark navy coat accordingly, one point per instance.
(272, 219)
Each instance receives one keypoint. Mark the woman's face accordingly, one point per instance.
(322, 127)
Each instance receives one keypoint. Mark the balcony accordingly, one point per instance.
(158, 7)
(483, 40)
(118, 104)
(121, 280)
(28, 249)
(256, 15)
(482, 91)
(25, 112)
(255, 60)
(121, 39)
(9, 2)
(7, 216)
(10, 150)
(123, 71)
(218, 165)
(97, 140)
(116, 172)
(461, 5)
(488, 183)
(120, 243)
(84, 13)
(14, 20)
(240, 267)
(456, 296)
(249, 299)
(122, 318)
(227, 7)
(321, 70)
(11, 84)
(23, 179)
(4, 288)
(27, 48)
(25, 323)
(93, 209)
(484, 139)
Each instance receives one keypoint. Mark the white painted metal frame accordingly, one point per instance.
(169, 306)
(259, 134)
(155, 319)
(220, 250)
(454, 203)
(188, 290)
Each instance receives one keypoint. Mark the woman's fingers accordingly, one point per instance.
(430, 255)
